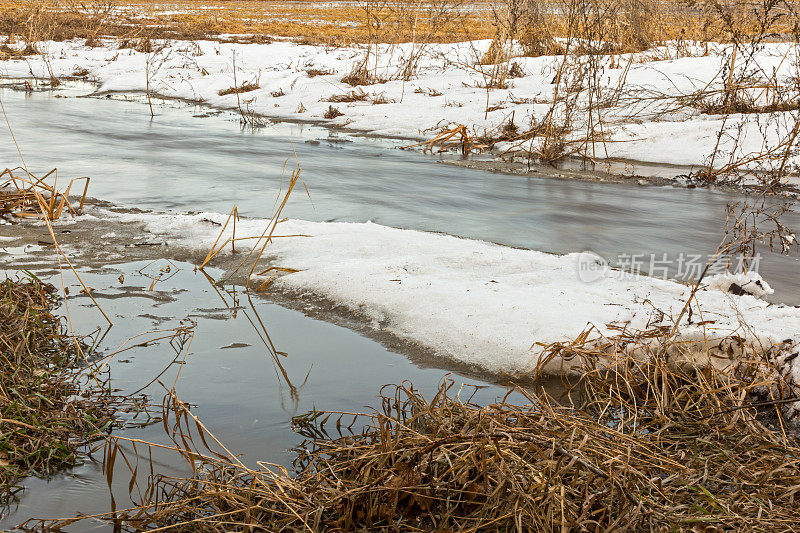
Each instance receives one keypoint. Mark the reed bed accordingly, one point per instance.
(330, 23)
(49, 408)
(638, 445)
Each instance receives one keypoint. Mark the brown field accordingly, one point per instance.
(335, 22)
(634, 24)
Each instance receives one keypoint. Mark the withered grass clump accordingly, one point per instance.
(6, 52)
(645, 446)
(23, 195)
(314, 72)
(244, 88)
(357, 95)
(332, 113)
(732, 106)
(45, 413)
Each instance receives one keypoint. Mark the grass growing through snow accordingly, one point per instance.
(244, 88)
(47, 411)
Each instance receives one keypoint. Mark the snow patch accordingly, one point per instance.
(740, 283)
(479, 303)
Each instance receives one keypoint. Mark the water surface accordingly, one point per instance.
(242, 390)
(189, 158)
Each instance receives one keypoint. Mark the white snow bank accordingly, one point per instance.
(478, 303)
(296, 81)
(749, 282)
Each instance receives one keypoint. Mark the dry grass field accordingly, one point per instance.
(631, 24)
(335, 22)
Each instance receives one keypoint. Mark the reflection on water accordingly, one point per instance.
(182, 162)
(276, 363)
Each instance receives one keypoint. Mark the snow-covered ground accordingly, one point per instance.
(446, 89)
(486, 305)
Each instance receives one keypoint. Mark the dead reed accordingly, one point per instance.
(24, 195)
(640, 445)
(244, 88)
(332, 113)
(357, 95)
(453, 137)
(49, 409)
(251, 20)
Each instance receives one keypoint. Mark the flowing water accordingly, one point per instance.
(189, 158)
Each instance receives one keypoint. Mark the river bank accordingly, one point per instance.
(486, 306)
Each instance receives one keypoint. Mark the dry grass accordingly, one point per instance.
(723, 106)
(24, 195)
(314, 72)
(332, 113)
(453, 137)
(632, 24)
(6, 52)
(585, 37)
(243, 88)
(361, 74)
(330, 23)
(357, 95)
(645, 446)
(48, 408)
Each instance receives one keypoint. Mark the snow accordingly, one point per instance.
(482, 304)
(446, 89)
(750, 282)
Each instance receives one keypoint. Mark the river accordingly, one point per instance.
(191, 158)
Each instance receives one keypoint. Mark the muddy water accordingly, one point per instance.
(189, 159)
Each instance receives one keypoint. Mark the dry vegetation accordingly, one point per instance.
(645, 446)
(586, 37)
(646, 439)
(244, 88)
(49, 407)
(630, 25)
(646, 443)
(328, 23)
(24, 195)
